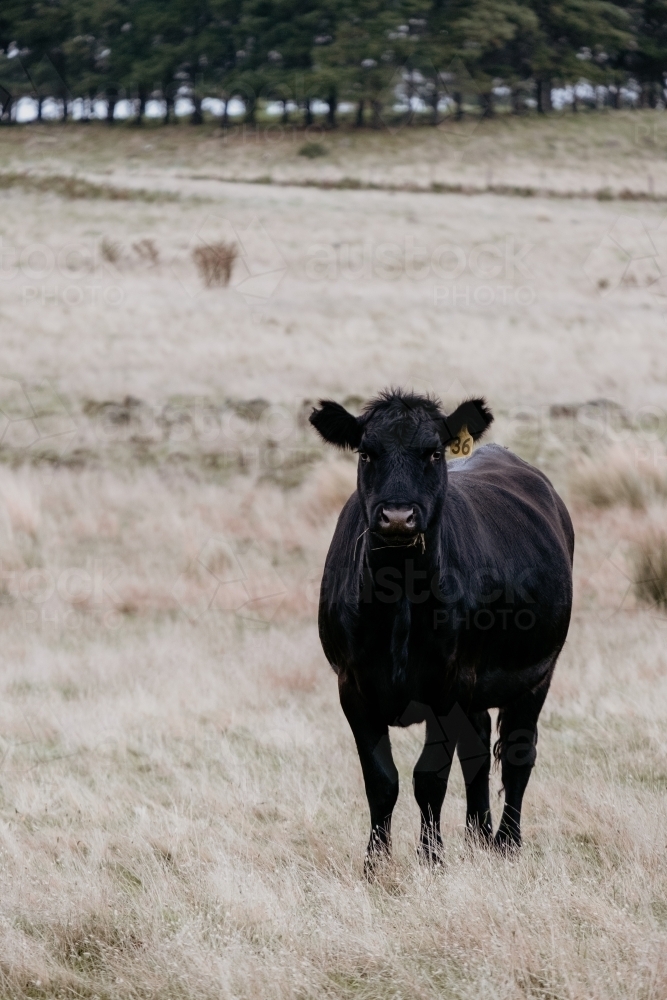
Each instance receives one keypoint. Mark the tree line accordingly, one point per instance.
(430, 55)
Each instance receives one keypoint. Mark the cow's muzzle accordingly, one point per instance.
(397, 522)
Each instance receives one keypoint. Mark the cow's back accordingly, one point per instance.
(494, 484)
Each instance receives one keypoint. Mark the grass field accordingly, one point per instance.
(182, 812)
(603, 151)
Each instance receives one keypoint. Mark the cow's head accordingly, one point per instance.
(401, 439)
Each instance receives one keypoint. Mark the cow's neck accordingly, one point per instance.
(399, 587)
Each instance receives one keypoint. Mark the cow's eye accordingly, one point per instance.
(364, 456)
(436, 456)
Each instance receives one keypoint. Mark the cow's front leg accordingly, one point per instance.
(430, 778)
(379, 770)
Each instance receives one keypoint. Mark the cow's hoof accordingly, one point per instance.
(506, 843)
(430, 853)
(374, 862)
(377, 855)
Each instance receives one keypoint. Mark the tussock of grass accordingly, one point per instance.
(110, 251)
(312, 150)
(650, 568)
(215, 262)
(147, 251)
(617, 479)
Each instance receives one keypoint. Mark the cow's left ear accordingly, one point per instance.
(336, 425)
(474, 415)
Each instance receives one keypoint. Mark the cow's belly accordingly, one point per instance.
(477, 667)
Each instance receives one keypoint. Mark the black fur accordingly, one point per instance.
(473, 414)
(336, 425)
(467, 613)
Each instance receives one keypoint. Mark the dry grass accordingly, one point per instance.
(215, 263)
(77, 188)
(110, 251)
(312, 150)
(618, 477)
(147, 251)
(650, 569)
(182, 814)
(101, 333)
(599, 154)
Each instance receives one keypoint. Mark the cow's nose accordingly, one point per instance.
(398, 520)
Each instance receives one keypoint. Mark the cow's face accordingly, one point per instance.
(402, 473)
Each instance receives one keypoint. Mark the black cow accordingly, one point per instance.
(447, 591)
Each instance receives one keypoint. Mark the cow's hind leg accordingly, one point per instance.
(430, 778)
(474, 750)
(516, 748)
(379, 770)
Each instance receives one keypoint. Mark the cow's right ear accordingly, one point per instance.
(336, 425)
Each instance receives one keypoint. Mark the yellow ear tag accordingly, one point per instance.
(461, 445)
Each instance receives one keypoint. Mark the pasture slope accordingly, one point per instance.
(182, 813)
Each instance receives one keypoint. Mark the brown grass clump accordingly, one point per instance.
(312, 150)
(650, 568)
(110, 251)
(147, 251)
(215, 262)
(617, 479)
(76, 188)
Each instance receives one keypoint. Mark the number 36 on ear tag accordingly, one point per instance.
(461, 445)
